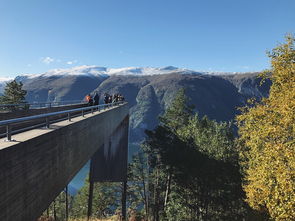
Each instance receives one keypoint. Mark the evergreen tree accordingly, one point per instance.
(192, 168)
(162, 146)
(178, 113)
(266, 132)
(13, 94)
(204, 176)
(139, 178)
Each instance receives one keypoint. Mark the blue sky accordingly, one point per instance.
(209, 35)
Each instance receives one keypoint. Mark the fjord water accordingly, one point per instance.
(78, 181)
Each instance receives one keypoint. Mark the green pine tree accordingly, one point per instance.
(14, 94)
(192, 168)
(178, 113)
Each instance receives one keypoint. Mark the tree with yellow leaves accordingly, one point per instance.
(266, 132)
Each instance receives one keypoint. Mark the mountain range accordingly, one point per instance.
(148, 90)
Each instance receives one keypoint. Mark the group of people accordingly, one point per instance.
(113, 98)
(92, 101)
(107, 98)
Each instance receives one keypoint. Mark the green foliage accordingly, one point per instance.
(214, 139)
(13, 94)
(178, 113)
(267, 140)
(57, 209)
(106, 199)
(188, 168)
(139, 177)
(206, 179)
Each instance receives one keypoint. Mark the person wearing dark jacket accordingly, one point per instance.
(96, 99)
(106, 98)
(110, 99)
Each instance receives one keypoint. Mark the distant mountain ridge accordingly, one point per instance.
(149, 91)
(215, 96)
(95, 71)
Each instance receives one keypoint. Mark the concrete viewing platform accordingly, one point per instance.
(27, 135)
(37, 165)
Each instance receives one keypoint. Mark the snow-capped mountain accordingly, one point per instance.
(149, 71)
(148, 90)
(96, 71)
(88, 71)
(75, 82)
(62, 84)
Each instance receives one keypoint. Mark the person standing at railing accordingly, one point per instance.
(115, 98)
(96, 99)
(110, 99)
(89, 99)
(120, 97)
(106, 98)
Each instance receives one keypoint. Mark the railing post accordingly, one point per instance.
(82, 113)
(69, 116)
(8, 132)
(92, 110)
(47, 122)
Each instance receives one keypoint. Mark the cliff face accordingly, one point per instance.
(149, 95)
(215, 96)
(249, 84)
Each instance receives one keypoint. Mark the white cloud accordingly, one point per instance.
(245, 67)
(72, 62)
(47, 60)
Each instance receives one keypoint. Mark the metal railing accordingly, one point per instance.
(83, 110)
(42, 104)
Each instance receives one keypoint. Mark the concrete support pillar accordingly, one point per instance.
(111, 159)
(109, 163)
